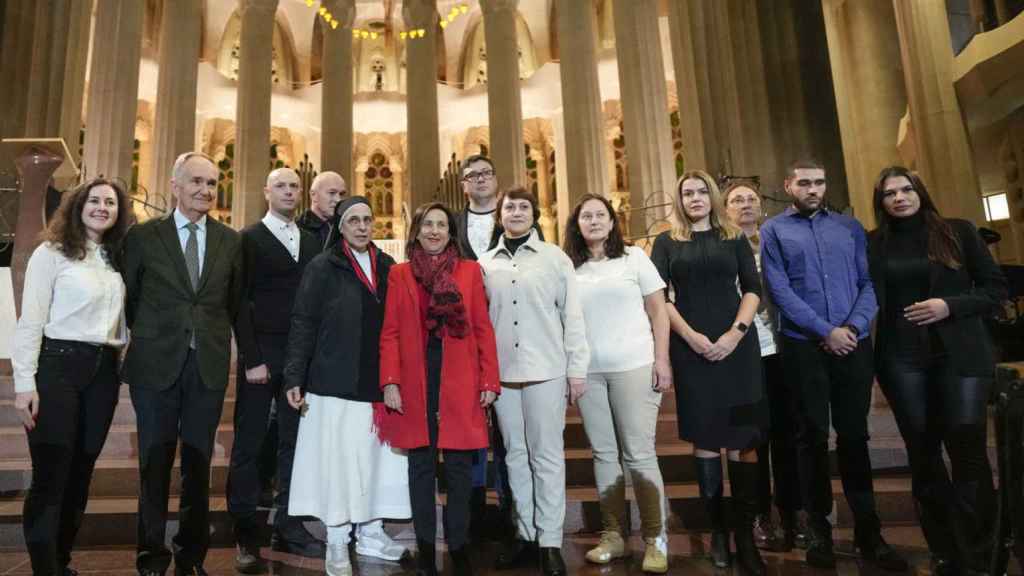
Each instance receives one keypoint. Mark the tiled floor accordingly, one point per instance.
(686, 558)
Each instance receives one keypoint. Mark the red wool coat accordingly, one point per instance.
(469, 365)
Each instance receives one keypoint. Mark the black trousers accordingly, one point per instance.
(252, 420)
(934, 406)
(822, 383)
(77, 386)
(190, 411)
(777, 457)
(458, 469)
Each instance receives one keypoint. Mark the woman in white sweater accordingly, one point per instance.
(65, 363)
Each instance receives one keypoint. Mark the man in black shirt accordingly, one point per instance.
(327, 190)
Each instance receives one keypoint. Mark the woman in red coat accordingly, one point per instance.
(439, 372)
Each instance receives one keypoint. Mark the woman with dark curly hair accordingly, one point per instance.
(65, 363)
(935, 282)
(623, 304)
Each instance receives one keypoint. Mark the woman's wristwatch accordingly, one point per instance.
(741, 327)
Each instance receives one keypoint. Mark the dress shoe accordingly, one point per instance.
(821, 555)
(611, 547)
(70, 572)
(298, 545)
(248, 561)
(875, 550)
(944, 567)
(150, 573)
(426, 558)
(189, 571)
(515, 553)
(461, 565)
(720, 556)
(766, 533)
(655, 555)
(551, 563)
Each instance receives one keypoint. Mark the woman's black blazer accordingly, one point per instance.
(973, 292)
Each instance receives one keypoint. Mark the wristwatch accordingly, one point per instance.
(741, 327)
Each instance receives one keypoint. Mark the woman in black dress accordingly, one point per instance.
(715, 357)
(935, 282)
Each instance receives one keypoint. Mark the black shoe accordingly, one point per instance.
(150, 573)
(551, 563)
(766, 534)
(70, 572)
(944, 567)
(248, 561)
(189, 571)
(877, 552)
(821, 555)
(515, 553)
(461, 565)
(298, 543)
(426, 558)
(720, 556)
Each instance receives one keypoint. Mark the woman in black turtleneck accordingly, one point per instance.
(936, 281)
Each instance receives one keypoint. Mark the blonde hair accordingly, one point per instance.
(682, 228)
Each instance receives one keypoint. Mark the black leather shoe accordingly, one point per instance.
(515, 553)
(551, 563)
(70, 572)
(426, 558)
(248, 561)
(821, 555)
(290, 544)
(944, 567)
(190, 571)
(882, 555)
(150, 573)
(461, 565)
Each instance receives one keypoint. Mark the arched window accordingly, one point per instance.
(379, 188)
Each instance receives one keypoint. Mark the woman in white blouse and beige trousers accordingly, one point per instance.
(65, 364)
(543, 358)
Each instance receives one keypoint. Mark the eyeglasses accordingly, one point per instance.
(478, 176)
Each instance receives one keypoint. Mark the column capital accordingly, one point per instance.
(259, 5)
(344, 11)
(498, 6)
(420, 13)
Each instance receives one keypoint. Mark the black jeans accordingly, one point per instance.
(458, 468)
(777, 457)
(77, 386)
(819, 382)
(934, 406)
(252, 420)
(190, 411)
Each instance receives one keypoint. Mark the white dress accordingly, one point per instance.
(342, 472)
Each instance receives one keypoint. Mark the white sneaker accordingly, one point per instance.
(337, 562)
(373, 541)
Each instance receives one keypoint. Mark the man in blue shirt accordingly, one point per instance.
(815, 267)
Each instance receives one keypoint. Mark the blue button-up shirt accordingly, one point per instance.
(816, 270)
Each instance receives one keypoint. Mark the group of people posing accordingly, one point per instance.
(482, 337)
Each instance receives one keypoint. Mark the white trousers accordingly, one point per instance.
(532, 421)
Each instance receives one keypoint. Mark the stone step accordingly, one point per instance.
(124, 413)
(111, 522)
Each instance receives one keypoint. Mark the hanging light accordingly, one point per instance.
(444, 24)
(464, 9)
(309, 3)
(403, 34)
(323, 10)
(373, 35)
(334, 24)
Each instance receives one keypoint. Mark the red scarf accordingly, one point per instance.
(446, 311)
(370, 283)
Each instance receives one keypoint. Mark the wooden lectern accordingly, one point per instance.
(38, 160)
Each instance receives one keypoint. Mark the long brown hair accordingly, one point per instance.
(943, 246)
(575, 245)
(412, 240)
(682, 228)
(66, 230)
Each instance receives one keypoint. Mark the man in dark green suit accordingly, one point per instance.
(183, 278)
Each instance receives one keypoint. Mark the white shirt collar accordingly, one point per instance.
(272, 219)
(180, 221)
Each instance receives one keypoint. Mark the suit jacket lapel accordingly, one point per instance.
(168, 233)
(268, 236)
(214, 236)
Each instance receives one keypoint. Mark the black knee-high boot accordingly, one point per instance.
(426, 558)
(709, 478)
(743, 480)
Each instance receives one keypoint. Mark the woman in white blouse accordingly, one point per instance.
(65, 363)
(627, 330)
(542, 360)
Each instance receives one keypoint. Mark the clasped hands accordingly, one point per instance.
(717, 350)
(393, 398)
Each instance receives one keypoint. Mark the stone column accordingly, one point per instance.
(336, 113)
(1011, 158)
(424, 156)
(693, 84)
(175, 123)
(586, 162)
(15, 73)
(113, 89)
(944, 157)
(644, 109)
(252, 121)
(504, 103)
(864, 51)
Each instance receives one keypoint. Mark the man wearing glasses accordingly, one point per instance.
(479, 229)
(816, 271)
